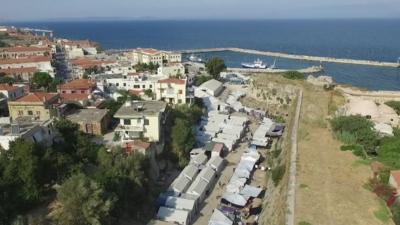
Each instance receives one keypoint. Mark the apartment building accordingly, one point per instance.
(141, 120)
(171, 90)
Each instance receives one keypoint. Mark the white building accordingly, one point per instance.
(171, 90)
(29, 131)
(212, 87)
(41, 63)
(150, 55)
(141, 119)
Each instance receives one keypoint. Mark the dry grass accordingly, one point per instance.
(334, 193)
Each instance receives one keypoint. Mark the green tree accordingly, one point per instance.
(6, 80)
(215, 66)
(149, 93)
(183, 140)
(125, 176)
(42, 80)
(198, 80)
(81, 201)
(395, 105)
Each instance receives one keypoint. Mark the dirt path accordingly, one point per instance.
(329, 181)
(292, 166)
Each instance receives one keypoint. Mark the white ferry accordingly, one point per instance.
(194, 58)
(258, 64)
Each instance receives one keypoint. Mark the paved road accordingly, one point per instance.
(293, 167)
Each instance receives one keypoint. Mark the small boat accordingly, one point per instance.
(258, 64)
(194, 58)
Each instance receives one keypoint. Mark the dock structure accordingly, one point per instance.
(296, 57)
(308, 70)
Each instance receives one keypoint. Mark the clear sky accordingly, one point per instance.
(197, 9)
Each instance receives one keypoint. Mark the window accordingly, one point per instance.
(117, 84)
(124, 84)
(146, 122)
(143, 86)
(151, 86)
(127, 122)
(136, 86)
(20, 112)
(30, 113)
(180, 92)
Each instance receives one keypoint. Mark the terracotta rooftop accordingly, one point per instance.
(7, 87)
(77, 84)
(396, 175)
(150, 51)
(31, 59)
(135, 92)
(19, 70)
(37, 97)
(74, 97)
(24, 49)
(172, 80)
(87, 63)
(137, 144)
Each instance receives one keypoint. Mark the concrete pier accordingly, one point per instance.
(308, 70)
(296, 57)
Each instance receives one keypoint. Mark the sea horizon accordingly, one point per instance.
(339, 38)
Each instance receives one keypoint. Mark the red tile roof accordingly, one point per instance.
(172, 80)
(150, 51)
(24, 49)
(78, 84)
(74, 97)
(396, 175)
(37, 97)
(31, 59)
(87, 63)
(7, 87)
(19, 70)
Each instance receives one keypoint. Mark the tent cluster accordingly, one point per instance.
(226, 129)
(267, 129)
(180, 203)
(238, 193)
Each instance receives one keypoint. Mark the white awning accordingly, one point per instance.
(218, 218)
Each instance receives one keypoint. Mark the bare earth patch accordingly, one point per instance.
(329, 185)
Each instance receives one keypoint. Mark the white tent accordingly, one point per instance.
(250, 191)
(180, 203)
(199, 159)
(180, 217)
(180, 184)
(218, 218)
(235, 199)
(190, 171)
(207, 174)
(216, 162)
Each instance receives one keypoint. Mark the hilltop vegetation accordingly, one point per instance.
(106, 186)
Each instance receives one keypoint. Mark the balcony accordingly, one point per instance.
(129, 128)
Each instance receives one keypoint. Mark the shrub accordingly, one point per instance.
(294, 75)
(278, 173)
(395, 105)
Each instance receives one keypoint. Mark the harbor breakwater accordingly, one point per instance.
(294, 56)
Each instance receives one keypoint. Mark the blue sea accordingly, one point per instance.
(358, 39)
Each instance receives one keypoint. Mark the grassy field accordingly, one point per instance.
(329, 181)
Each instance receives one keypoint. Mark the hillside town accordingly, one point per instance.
(127, 102)
(154, 138)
